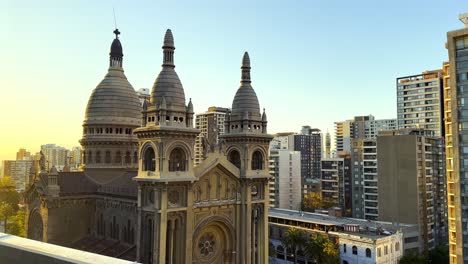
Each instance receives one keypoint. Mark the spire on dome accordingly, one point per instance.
(264, 117)
(168, 49)
(116, 53)
(190, 106)
(245, 68)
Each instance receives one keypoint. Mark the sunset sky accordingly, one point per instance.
(313, 62)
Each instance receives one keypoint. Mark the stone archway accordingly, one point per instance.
(35, 226)
(213, 243)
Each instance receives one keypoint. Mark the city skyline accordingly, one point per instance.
(304, 55)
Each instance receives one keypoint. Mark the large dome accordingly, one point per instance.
(167, 83)
(245, 99)
(114, 101)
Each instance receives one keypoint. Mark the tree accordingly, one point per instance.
(413, 258)
(6, 210)
(293, 240)
(321, 249)
(8, 193)
(16, 224)
(439, 255)
(312, 201)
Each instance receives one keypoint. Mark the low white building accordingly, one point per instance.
(369, 248)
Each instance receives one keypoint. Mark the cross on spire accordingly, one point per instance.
(117, 33)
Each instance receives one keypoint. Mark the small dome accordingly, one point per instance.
(167, 85)
(245, 100)
(114, 101)
(116, 48)
(169, 39)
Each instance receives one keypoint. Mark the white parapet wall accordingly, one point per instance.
(15, 249)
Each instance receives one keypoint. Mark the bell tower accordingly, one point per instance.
(166, 151)
(246, 146)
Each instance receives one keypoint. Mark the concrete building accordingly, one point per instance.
(309, 143)
(336, 182)
(327, 153)
(285, 169)
(456, 128)
(419, 101)
(211, 125)
(23, 154)
(411, 185)
(143, 94)
(343, 135)
(75, 158)
(55, 156)
(360, 127)
(157, 206)
(359, 240)
(365, 178)
(18, 171)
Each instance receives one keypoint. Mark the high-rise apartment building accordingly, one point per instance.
(75, 158)
(411, 184)
(18, 171)
(419, 101)
(143, 94)
(309, 143)
(55, 156)
(365, 178)
(23, 154)
(343, 135)
(327, 145)
(360, 127)
(456, 126)
(211, 125)
(336, 182)
(285, 169)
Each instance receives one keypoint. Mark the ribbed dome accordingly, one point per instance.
(245, 99)
(114, 101)
(167, 83)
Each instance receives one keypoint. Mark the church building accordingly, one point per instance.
(140, 196)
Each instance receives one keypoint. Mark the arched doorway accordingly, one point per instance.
(213, 243)
(35, 226)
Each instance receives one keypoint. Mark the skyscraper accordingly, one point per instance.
(23, 154)
(211, 125)
(55, 155)
(327, 145)
(309, 143)
(419, 100)
(456, 116)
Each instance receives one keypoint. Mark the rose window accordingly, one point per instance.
(207, 244)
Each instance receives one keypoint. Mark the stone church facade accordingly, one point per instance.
(139, 195)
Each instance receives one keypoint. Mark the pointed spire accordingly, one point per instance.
(264, 117)
(245, 68)
(190, 106)
(168, 49)
(116, 53)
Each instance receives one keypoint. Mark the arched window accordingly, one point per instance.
(368, 253)
(118, 157)
(257, 161)
(90, 157)
(177, 160)
(354, 250)
(108, 157)
(98, 157)
(128, 159)
(135, 157)
(397, 246)
(344, 248)
(149, 163)
(234, 158)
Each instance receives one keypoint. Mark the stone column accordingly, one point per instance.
(189, 225)
(139, 231)
(162, 227)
